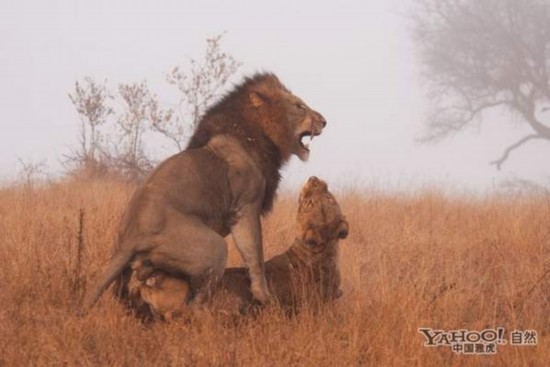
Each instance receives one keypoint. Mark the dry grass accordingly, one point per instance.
(410, 261)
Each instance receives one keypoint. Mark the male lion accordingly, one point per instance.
(305, 274)
(222, 183)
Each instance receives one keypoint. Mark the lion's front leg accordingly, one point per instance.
(247, 234)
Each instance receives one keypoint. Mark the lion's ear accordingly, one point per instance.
(256, 99)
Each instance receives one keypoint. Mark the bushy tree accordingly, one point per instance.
(482, 55)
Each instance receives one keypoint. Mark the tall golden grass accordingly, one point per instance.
(411, 261)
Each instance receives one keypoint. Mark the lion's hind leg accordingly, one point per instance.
(195, 253)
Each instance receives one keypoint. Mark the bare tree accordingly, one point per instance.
(199, 87)
(130, 158)
(482, 55)
(31, 172)
(138, 111)
(90, 100)
(518, 186)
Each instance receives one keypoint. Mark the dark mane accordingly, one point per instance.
(234, 116)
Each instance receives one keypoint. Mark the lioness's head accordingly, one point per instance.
(286, 119)
(320, 218)
(158, 295)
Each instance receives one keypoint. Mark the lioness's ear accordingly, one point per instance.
(343, 229)
(256, 99)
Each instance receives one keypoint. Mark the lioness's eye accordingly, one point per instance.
(311, 243)
(301, 106)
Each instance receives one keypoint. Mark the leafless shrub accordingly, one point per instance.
(31, 172)
(112, 134)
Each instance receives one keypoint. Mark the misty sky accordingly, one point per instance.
(351, 60)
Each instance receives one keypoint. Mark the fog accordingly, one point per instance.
(353, 61)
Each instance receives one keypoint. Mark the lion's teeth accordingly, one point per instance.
(305, 138)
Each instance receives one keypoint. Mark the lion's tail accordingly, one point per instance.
(118, 262)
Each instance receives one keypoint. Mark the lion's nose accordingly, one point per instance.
(320, 119)
(323, 121)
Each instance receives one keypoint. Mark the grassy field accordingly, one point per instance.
(411, 261)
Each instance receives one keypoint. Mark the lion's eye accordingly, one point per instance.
(300, 106)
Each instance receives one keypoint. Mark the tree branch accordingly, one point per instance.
(443, 122)
(498, 163)
(526, 105)
(539, 127)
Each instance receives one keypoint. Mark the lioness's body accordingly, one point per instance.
(307, 272)
(220, 184)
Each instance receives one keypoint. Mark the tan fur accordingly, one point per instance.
(307, 273)
(222, 183)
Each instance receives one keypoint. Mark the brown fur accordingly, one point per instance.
(264, 132)
(303, 275)
(221, 184)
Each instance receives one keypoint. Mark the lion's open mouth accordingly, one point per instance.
(305, 139)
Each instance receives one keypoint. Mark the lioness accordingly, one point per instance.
(306, 273)
(221, 184)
